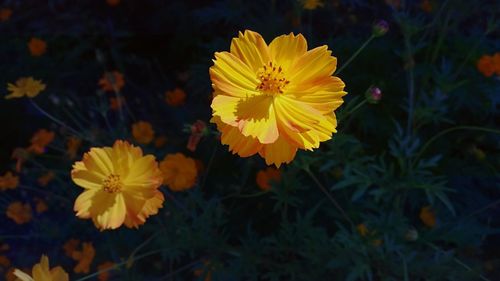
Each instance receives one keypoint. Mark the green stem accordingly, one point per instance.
(330, 197)
(358, 106)
(437, 136)
(355, 54)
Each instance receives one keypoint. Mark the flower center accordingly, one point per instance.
(272, 79)
(112, 184)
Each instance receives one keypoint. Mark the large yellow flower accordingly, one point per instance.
(121, 186)
(274, 99)
(42, 272)
(26, 86)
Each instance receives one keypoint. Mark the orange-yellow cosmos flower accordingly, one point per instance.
(25, 86)
(37, 47)
(266, 177)
(179, 172)
(486, 65)
(143, 132)
(8, 181)
(427, 216)
(42, 272)
(20, 213)
(176, 97)
(121, 186)
(274, 99)
(112, 81)
(84, 258)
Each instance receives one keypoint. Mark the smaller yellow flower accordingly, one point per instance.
(42, 272)
(427, 216)
(20, 213)
(8, 181)
(37, 47)
(312, 4)
(143, 132)
(25, 86)
(179, 172)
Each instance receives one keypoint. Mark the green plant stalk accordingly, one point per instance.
(355, 54)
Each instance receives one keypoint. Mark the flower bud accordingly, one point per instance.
(380, 28)
(373, 95)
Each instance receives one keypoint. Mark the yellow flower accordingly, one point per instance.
(5, 14)
(20, 213)
(265, 177)
(25, 86)
(42, 272)
(37, 47)
(143, 132)
(179, 172)
(274, 99)
(8, 181)
(312, 4)
(84, 258)
(121, 186)
(427, 216)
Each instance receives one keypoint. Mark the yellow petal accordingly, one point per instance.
(225, 107)
(41, 271)
(22, 276)
(238, 143)
(278, 152)
(83, 203)
(257, 118)
(285, 49)
(58, 274)
(230, 75)
(98, 160)
(251, 49)
(313, 65)
(87, 179)
(108, 210)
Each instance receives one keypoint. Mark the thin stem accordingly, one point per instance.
(180, 269)
(325, 191)
(355, 54)
(143, 244)
(437, 136)
(209, 165)
(61, 123)
(358, 106)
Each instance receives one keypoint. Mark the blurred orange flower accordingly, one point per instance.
(312, 4)
(113, 3)
(40, 140)
(116, 103)
(104, 276)
(84, 258)
(72, 146)
(42, 272)
(9, 275)
(70, 246)
(364, 232)
(143, 132)
(486, 65)
(45, 179)
(160, 141)
(40, 206)
(176, 97)
(496, 62)
(5, 14)
(4, 261)
(121, 186)
(265, 177)
(8, 181)
(427, 216)
(25, 86)
(18, 212)
(112, 81)
(179, 171)
(37, 47)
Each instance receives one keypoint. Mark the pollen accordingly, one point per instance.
(112, 184)
(272, 79)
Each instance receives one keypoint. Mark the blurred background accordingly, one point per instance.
(414, 164)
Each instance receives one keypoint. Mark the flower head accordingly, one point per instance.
(496, 62)
(5, 14)
(46, 178)
(112, 81)
(373, 95)
(84, 258)
(274, 99)
(121, 186)
(116, 103)
(179, 172)
(20, 213)
(40, 140)
(37, 47)
(486, 65)
(25, 86)
(8, 181)
(104, 275)
(41, 205)
(143, 132)
(380, 28)
(266, 177)
(42, 272)
(176, 97)
(72, 146)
